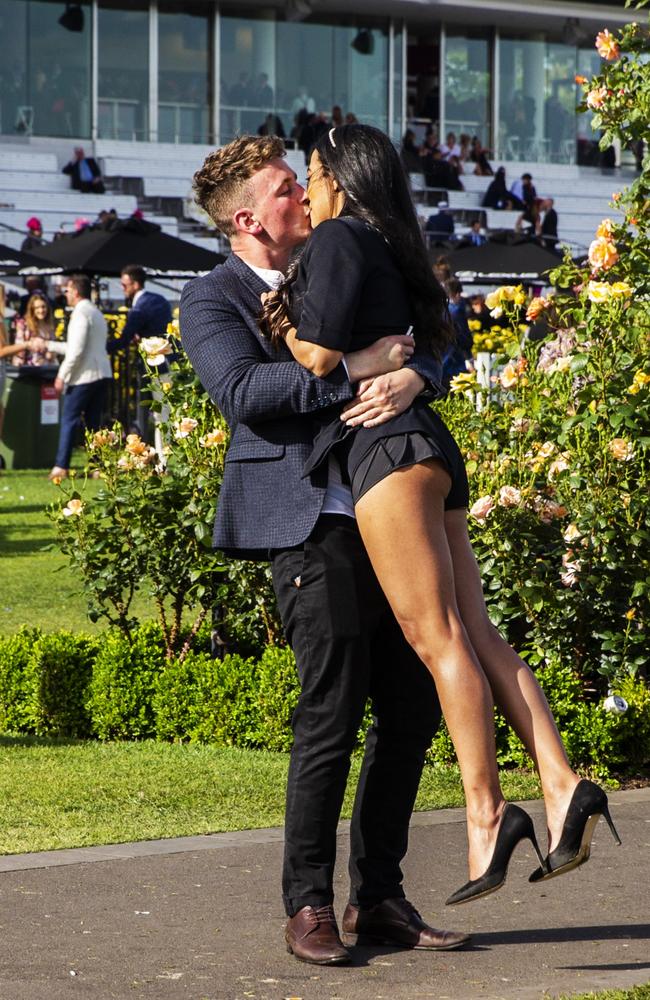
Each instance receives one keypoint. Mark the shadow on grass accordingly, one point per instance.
(25, 508)
(23, 741)
(26, 547)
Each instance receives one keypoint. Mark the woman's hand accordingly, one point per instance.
(380, 399)
(388, 354)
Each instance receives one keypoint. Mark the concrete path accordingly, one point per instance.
(200, 918)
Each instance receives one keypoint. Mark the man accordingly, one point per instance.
(149, 316)
(84, 372)
(441, 225)
(475, 236)
(347, 644)
(547, 227)
(84, 172)
(524, 191)
(460, 351)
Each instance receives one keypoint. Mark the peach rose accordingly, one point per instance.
(605, 230)
(213, 438)
(135, 445)
(155, 349)
(509, 376)
(482, 507)
(607, 46)
(509, 496)
(536, 308)
(602, 254)
(621, 449)
(74, 508)
(596, 98)
(185, 427)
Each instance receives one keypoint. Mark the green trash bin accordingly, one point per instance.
(32, 417)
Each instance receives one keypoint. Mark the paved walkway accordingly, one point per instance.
(199, 918)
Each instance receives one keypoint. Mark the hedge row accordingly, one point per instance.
(72, 685)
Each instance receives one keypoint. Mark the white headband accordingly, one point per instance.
(331, 135)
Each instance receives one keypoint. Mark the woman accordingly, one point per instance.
(365, 273)
(37, 324)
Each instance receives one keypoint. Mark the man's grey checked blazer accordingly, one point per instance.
(269, 401)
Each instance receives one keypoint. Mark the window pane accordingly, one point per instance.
(44, 70)
(467, 86)
(537, 118)
(123, 111)
(183, 72)
(273, 71)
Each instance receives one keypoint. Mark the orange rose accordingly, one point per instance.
(596, 98)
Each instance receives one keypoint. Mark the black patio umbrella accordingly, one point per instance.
(104, 250)
(499, 262)
(14, 261)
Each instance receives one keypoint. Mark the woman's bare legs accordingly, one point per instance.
(514, 686)
(402, 523)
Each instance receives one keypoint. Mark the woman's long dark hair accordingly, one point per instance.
(365, 164)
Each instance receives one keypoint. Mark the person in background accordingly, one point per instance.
(459, 352)
(36, 326)
(34, 238)
(149, 316)
(476, 237)
(450, 147)
(83, 374)
(84, 173)
(441, 225)
(546, 227)
(410, 153)
(479, 311)
(498, 196)
(524, 190)
(479, 155)
(337, 116)
(271, 125)
(465, 144)
(33, 283)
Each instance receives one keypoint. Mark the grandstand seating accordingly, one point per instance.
(157, 177)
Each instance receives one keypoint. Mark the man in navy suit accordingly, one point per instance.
(347, 643)
(149, 316)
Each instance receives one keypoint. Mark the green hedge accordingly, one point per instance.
(77, 686)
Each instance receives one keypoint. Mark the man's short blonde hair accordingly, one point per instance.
(221, 185)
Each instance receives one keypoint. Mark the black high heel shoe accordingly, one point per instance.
(588, 803)
(515, 825)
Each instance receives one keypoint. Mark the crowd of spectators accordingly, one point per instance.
(443, 164)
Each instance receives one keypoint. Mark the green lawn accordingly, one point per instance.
(636, 993)
(36, 585)
(57, 794)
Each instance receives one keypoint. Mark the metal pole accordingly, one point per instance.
(391, 79)
(441, 87)
(216, 75)
(496, 95)
(153, 72)
(94, 72)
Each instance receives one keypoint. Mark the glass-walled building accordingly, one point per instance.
(202, 71)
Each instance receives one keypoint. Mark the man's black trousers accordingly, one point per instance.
(348, 648)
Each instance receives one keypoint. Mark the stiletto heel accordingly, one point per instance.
(588, 803)
(515, 825)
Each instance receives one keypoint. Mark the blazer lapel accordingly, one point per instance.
(245, 274)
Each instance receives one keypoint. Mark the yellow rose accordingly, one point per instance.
(547, 449)
(493, 299)
(598, 292)
(462, 382)
(620, 290)
(605, 230)
(602, 254)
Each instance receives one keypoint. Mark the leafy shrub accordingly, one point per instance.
(277, 694)
(56, 680)
(120, 698)
(15, 651)
(209, 701)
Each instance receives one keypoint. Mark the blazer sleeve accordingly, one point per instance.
(78, 332)
(131, 329)
(245, 383)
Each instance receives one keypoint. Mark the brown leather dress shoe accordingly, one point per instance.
(313, 936)
(396, 922)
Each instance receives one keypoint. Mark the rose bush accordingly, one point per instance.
(149, 526)
(558, 445)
